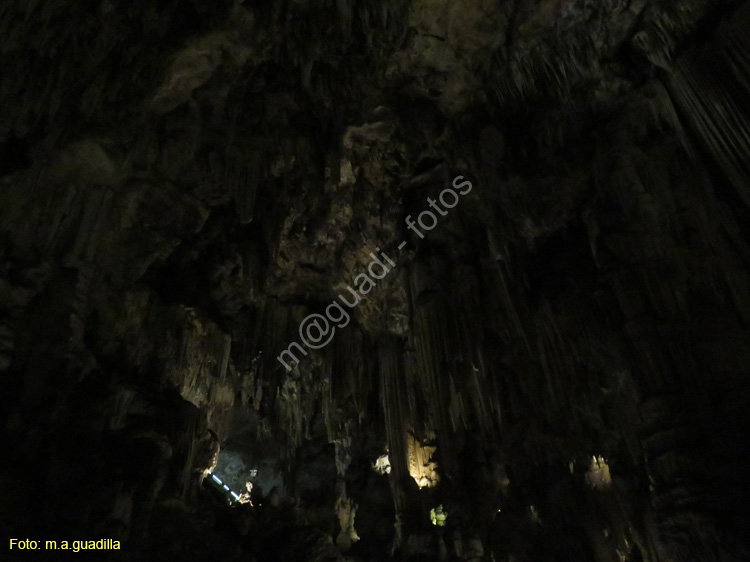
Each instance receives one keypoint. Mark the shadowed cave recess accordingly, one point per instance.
(557, 371)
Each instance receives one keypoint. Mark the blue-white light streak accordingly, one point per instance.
(220, 483)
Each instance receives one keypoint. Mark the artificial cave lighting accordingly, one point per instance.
(438, 515)
(598, 476)
(235, 496)
(421, 468)
(382, 464)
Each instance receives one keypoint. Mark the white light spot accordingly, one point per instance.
(382, 464)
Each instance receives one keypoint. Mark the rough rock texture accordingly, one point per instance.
(563, 362)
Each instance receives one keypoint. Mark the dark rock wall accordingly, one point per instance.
(181, 183)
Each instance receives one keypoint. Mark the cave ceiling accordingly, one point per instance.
(378, 280)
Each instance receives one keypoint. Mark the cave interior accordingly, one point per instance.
(375, 280)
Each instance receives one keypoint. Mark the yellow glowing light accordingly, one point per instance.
(438, 515)
(598, 473)
(421, 468)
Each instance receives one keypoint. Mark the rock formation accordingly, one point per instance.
(554, 368)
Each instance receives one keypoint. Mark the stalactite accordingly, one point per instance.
(345, 17)
(715, 113)
(81, 301)
(735, 46)
(62, 217)
(531, 341)
(272, 331)
(223, 356)
(93, 223)
(353, 378)
(429, 342)
(242, 176)
(394, 408)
